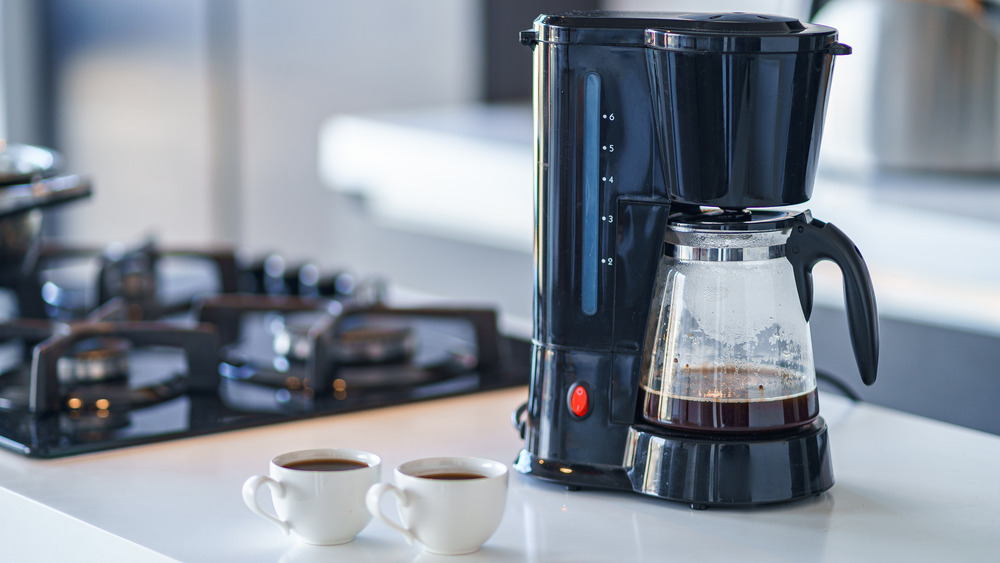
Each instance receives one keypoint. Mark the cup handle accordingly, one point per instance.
(374, 497)
(250, 497)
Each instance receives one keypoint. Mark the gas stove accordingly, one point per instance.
(113, 347)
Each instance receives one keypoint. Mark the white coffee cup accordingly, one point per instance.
(450, 505)
(319, 506)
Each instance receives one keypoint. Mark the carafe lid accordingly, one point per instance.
(743, 220)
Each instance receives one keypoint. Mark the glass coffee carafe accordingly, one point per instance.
(728, 346)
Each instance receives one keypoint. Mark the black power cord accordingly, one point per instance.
(844, 389)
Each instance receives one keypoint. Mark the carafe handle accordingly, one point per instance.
(813, 240)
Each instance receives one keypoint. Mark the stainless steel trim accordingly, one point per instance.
(725, 254)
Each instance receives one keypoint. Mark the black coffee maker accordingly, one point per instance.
(658, 137)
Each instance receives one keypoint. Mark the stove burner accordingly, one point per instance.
(84, 366)
(326, 348)
(375, 345)
(362, 345)
(95, 360)
(291, 336)
(69, 281)
(74, 280)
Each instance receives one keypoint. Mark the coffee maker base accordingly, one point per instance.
(714, 470)
(705, 470)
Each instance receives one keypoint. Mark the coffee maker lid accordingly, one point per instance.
(677, 31)
(740, 32)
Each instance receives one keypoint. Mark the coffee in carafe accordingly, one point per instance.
(728, 404)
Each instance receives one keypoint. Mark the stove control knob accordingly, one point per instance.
(579, 400)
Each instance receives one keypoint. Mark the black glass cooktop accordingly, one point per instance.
(275, 366)
(113, 347)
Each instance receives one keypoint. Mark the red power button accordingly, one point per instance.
(579, 400)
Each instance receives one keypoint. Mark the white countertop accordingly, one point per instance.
(908, 488)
